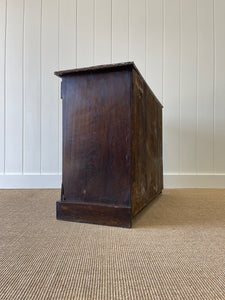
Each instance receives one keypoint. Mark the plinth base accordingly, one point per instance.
(94, 213)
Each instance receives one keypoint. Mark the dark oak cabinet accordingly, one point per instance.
(112, 145)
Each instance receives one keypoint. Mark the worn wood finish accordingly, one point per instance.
(112, 144)
(94, 213)
(96, 118)
(146, 178)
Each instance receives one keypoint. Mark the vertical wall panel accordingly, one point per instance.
(103, 32)
(2, 82)
(85, 32)
(67, 50)
(120, 41)
(154, 59)
(205, 87)
(14, 87)
(50, 88)
(32, 93)
(171, 99)
(67, 34)
(137, 33)
(188, 109)
(219, 113)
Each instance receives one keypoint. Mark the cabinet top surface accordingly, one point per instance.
(98, 68)
(102, 68)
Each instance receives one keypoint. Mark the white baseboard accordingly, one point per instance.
(53, 181)
(194, 180)
(31, 181)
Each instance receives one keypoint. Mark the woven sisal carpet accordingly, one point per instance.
(175, 250)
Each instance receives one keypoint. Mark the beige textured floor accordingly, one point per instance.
(175, 250)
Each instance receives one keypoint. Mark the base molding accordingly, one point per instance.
(204, 180)
(94, 213)
(53, 181)
(30, 181)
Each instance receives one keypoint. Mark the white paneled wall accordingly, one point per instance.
(14, 83)
(179, 47)
(2, 84)
(32, 88)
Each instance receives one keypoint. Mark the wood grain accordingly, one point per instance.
(146, 176)
(112, 150)
(94, 213)
(96, 137)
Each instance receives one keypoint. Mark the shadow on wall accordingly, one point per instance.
(184, 207)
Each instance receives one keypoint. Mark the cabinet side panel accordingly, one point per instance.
(146, 176)
(160, 149)
(96, 137)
